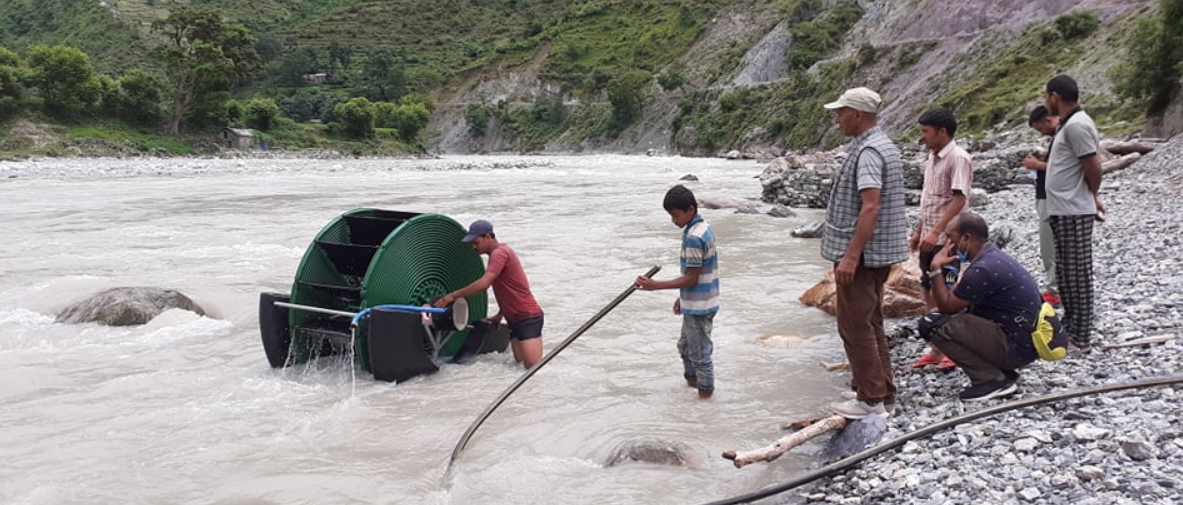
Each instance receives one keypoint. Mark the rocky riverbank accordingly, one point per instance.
(1111, 448)
(805, 179)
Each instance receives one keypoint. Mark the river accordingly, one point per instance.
(185, 409)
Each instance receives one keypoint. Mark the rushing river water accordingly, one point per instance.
(185, 409)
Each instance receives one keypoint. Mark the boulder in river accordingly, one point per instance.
(126, 306)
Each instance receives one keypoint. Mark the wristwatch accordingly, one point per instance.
(933, 273)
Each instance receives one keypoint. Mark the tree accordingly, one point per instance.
(203, 54)
(12, 73)
(307, 104)
(138, 97)
(1150, 74)
(627, 92)
(410, 120)
(65, 78)
(383, 77)
(261, 113)
(232, 113)
(357, 115)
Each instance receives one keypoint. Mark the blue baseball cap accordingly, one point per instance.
(478, 228)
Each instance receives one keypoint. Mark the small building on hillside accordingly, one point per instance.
(238, 138)
(318, 78)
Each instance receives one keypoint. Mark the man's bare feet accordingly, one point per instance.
(692, 383)
(702, 395)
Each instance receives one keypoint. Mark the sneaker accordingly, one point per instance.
(1051, 298)
(853, 395)
(855, 409)
(993, 389)
(1012, 375)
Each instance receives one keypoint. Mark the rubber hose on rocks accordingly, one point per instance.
(845, 463)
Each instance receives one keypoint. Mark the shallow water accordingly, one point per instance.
(186, 410)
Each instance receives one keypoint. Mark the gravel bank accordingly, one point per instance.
(1114, 448)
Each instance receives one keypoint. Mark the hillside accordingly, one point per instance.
(693, 77)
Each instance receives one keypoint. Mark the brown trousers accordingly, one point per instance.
(859, 310)
(978, 346)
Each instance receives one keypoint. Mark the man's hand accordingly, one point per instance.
(944, 257)
(914, 241)
(844, 272)
(1100, 217)
(678, 306)
(644, 283)
(930, 241)
(1033, 163)
(445, 300)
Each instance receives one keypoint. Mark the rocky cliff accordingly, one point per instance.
(944, 46)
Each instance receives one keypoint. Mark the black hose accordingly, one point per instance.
(529, 373)
(842, 464)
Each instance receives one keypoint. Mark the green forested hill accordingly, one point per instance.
(114, 43)
(691, 76)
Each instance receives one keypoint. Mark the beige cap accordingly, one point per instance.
(858, 99)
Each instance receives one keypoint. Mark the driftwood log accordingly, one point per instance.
(1140, 342)
(785, 443)
(1120, 163)
(1130, 146)
(835, 367)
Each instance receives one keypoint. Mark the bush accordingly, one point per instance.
(1151, 72)
(357, 117)
(308, 104)
(232, 113)
(477, 117)
(1077, 24)
(627, 93)
(670, 80)
(261, 113)
(139, 97)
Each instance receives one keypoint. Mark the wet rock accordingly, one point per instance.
(658, 452)
(126, 306)
(781, 211)
(811, 230)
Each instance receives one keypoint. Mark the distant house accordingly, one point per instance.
(238, 138)
(314, 78)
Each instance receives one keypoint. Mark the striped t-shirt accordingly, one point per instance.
(698, 250)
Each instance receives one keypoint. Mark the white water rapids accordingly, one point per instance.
(185, 409)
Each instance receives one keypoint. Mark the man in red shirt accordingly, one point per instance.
(510, 287)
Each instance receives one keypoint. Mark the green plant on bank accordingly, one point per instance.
(1149, 76)
(137, 138)
(1077, 24)
(598, 40)
(790, 112)
(1005, 82)
(818, 39)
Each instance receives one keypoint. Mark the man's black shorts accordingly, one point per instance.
(526, 330)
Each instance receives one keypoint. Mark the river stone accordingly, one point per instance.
(126, 306)
(1138, 450)
(660, 452)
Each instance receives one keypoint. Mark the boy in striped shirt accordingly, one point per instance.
(698, 299)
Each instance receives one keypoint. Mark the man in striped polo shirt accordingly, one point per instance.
(698, 300)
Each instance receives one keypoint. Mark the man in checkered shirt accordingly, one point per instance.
(866, 232)
(948, 178)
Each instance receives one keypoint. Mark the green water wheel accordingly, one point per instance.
(370, 257)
